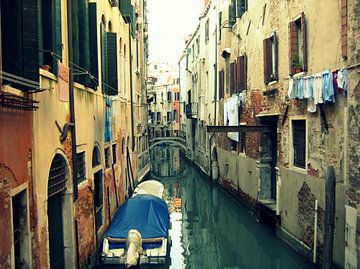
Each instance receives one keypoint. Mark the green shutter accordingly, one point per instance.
(56, 23)
(110, 53)
(30, 39)
(84, 48)
(93, 43)
(104, 78)
(75, 40)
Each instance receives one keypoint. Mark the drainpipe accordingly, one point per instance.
(72, 120)
(315, 230)
(131, 93)
(215, 77)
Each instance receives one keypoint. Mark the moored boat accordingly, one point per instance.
(139, 232)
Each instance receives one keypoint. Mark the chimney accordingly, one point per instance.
(205, 3)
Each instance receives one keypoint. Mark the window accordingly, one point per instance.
(221, 84)
(80, 167)
(158, 117)
(20, 40)
(169, 97)
(114, 155)
(197, 47)
(177, 96)
(207, 31)
(193, 52)
(299, 143)
(270, 59)
(241, 73)
(169, 116)
(241, 7)
(297, 45)
(51, 27)
(96, 157)
(107, 158)
(220, 24)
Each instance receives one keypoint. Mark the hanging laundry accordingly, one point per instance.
(342, 80)
(291, 92)
(232, 111)
(335, 84)
(299, 82)
(328, 92)
(108, 122)
(309, 87)
(317, 90)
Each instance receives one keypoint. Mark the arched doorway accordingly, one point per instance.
(59, 215)
(98, 188)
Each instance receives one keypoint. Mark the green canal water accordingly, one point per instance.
(210, 229)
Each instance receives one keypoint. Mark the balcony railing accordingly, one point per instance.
(166, 133)
(191, 110)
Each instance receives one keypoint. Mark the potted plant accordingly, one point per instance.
(297, 63)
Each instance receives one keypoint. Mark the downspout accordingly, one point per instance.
(72, 121)
(215, 77)
(131, 93)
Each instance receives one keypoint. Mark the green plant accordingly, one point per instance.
(297, 62)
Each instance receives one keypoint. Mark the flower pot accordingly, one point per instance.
(45, 67)
(298, 70)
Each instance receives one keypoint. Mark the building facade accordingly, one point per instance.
(73, 132)
(291, 92)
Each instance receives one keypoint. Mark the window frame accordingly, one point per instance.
(81, 154)
(294, 34)
(107, 155)
(291, 144)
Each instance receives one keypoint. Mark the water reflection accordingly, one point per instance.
(209, 228)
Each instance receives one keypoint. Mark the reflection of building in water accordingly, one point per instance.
(166, 161)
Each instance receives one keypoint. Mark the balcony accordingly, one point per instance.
(191, 110)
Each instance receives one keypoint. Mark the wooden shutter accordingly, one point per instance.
(304, 43)
(84, 44)
(221, 84)
(93, 44)
(344, 28)
(75, 35)
(267, 60)
(241, 74)
(56, 34)
(276, 44)
(232, 78)
(293, 43)
(110, 52)
(30, 39)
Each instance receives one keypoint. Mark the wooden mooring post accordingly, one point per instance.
(330, 189)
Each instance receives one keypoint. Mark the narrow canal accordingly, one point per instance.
(209, 228)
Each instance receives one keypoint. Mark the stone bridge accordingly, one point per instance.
(173, 137)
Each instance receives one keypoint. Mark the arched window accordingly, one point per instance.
(96, 157)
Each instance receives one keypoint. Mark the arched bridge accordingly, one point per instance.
(174, 137)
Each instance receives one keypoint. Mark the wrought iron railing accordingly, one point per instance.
(191, 109)
(166, 133)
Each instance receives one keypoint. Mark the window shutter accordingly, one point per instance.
(30, 38)
(232, 14)
(304, 48)
(267, 60)
(57, 42)
(111, 59)
(75, 35)
(93, 44)
(221, 84)
(293, 41)
(84, 47)
(232, 78)
(276, 44)
(241, 78)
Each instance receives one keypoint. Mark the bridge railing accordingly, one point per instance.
(166, 133)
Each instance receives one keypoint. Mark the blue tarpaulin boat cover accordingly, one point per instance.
(146, 213)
